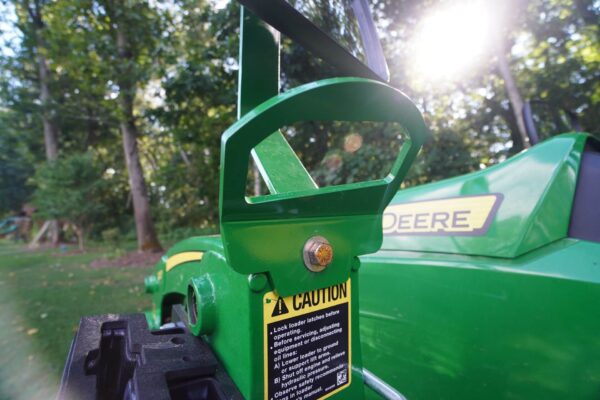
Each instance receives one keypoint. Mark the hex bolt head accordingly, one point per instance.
(317, 253)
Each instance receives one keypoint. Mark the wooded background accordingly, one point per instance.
(111, 111)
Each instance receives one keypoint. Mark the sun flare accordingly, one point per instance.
(452, 41)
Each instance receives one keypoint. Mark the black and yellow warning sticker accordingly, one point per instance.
(307, 343)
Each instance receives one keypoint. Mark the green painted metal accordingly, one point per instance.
(169, 288)
(237, 331)
(441, 326)
(280, 171)
(267, 234)
(511, 314)
(258, 78)
(260, 249)
(258, 81)
(537, 188)
(275, 227)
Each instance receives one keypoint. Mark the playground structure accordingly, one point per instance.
(7, 226)
(21, 226)
(481, 286)
(18, 227)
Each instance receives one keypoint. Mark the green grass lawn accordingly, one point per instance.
(42, 296)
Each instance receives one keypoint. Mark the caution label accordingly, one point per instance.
(307, 343)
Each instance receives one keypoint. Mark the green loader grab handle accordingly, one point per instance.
(268, 233)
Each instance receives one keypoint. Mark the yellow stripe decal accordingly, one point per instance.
(181, 258)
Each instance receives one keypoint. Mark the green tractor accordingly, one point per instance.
(481, 286)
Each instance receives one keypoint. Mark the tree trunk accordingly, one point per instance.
(585, 9)
(50, 131)
(79, 231)
(50, 128)
(516, 101)
(146, 234)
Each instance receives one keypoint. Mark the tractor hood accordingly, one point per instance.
(503, 211)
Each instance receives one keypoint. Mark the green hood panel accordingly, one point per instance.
(507, 210)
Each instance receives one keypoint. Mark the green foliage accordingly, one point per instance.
(199, 104)
(15, 170)
(111, 236)
(447, 154)
(69, 189)
(341, 152)
(182, 77)
(562, 66)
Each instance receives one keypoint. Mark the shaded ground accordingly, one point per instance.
(42, 295)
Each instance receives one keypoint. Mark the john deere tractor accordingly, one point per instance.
(484, 286)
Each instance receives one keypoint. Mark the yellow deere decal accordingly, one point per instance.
(466, 215)
(181, 258)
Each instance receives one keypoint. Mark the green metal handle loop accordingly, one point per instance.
(266, 233)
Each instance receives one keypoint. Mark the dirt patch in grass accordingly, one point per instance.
(131, 259)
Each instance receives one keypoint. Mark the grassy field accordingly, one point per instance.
(42, 295)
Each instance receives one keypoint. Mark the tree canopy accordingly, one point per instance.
(169, 70)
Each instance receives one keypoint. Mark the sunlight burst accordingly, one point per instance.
(452, 41)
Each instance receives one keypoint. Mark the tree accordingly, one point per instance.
(157, 81)
(520, 139)
(560, 64)
(34, 28)
(37, 31)
(129, 23)
(199, 104)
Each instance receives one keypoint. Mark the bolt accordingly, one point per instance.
(320, 254)
(257, 282)
(317, 254)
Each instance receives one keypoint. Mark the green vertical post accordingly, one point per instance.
(279, 166)
(258, 78)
